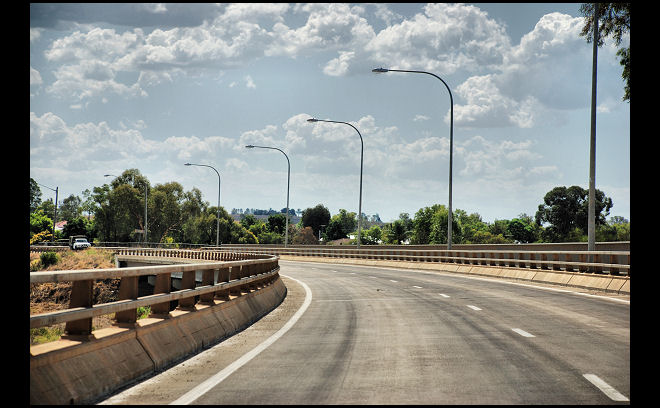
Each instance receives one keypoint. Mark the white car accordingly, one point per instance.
(80, 243)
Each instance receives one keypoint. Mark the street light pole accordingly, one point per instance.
(146, 227)
(217, 229)
(451, 141)
(591, 223)
(288, 180)
(361, 162)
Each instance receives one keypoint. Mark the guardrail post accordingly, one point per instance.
(556, 266)
(597, 269)
(128, 289)
(163, 285)
(544, 258)
(614, 259)
(81, 296)
(208, 276)
(187, 282)
(500, 261)
(532, 258)
(223, 276)
(582, 268)
(246, 271)
(236, 273)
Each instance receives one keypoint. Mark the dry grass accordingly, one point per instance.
(51, 296)
(90, 258)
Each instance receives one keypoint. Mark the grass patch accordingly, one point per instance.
(45, 334)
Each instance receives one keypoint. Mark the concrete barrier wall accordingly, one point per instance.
(77, 369)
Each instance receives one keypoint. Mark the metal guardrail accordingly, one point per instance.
(612, 262)
(236, 273)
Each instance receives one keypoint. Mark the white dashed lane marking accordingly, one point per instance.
(523, 333)
(607, 389)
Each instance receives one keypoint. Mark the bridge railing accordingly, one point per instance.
(612, 262)
(236, 273)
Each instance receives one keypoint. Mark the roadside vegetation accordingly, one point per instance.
(115, 213)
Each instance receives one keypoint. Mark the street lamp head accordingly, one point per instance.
(187, 164)
(107, 175)
(250, 146)
(379, 70)
(312, 120)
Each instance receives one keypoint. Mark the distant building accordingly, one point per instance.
(59, 226)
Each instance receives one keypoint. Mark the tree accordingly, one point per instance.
(395, 232)
(341, 225)
(88, 205)
(522, 229)
(79, 226)
(129, 211)
(371, 236)
(499, 227)
(277, 223)
(200, 228)
(616, 229)
(248, 220)
(422, 224)
(35, 195)
(407, 222)
(486, 237)
(164, 215)
(39, 222)
(567, 208)
(70, 208)
(614, 20)
(305, 236)
(315, 217)
(48, 208)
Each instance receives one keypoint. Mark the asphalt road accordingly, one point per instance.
(385, 336)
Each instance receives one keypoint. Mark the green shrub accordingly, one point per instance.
(49, 258)
(143, 311)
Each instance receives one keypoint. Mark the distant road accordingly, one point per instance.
(384, 336)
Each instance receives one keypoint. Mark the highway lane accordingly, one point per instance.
(385, 336)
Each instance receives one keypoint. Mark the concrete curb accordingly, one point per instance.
(76, 370)
(602, 282)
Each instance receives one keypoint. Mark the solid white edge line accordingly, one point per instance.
(607, 389)
(473, 307)
(216, 379)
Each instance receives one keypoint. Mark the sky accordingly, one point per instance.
(153, 86)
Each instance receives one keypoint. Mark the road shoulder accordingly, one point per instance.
(170, 384)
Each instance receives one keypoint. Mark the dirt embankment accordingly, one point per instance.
(47, 297)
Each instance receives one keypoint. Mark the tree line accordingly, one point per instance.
(115, 212)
